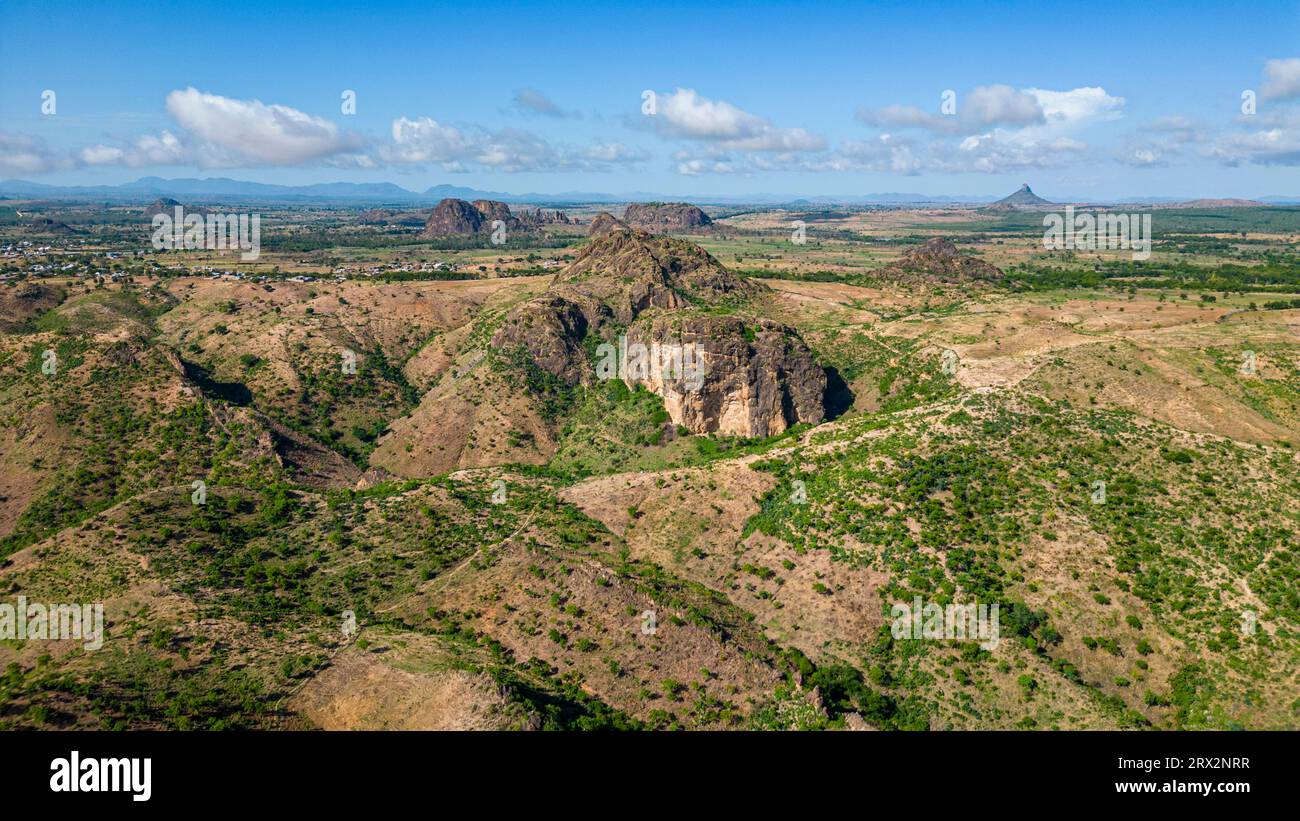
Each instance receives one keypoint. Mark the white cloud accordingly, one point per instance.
(1145, 155)
(25, 154)
(684, 114)
(695, 167)
(999, 152)
(1077, 107)
(1002, 105)
(425, 141)
(614, 152)
(146, 150)
(221, 132)
(995, 129)
(1277, 143)
(886, 153)
(1161, 142)
(248, 132)
(982, 108)
(1281, 79)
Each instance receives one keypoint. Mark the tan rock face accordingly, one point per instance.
(757, 379)
(457, 218)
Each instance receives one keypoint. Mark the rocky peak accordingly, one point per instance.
(758, 376)
(1024, 197)
(938, 260)
(605, 222)
(452, 218)
(665, 216)
(636, 261)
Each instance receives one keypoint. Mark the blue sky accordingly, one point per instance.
(1090, 100)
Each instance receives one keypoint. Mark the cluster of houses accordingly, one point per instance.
(408, 267)
(46, 267)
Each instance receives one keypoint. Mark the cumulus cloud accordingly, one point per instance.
(1077, 107)
(425, 141)
(249, 132)
(614, 152)
(1277, 142)
(684, 114)
(1161, 142)
(1281, 79)
(995, 129)
(222, 132)
(23, 154)
(886, 153)
(146, 150)
(983, 107)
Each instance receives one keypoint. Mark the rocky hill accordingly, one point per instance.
(458, 218)
(666, 216)
(541, 216)
(759, 378)
(1024, 197)
(453, 218)
(603, 223)
(939, 262)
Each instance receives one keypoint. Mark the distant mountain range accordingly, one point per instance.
(146, 189)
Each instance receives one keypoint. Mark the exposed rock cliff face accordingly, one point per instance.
(540, 216)
(458, 218)
(665, 216)
(939, 261)
(452, 218)
(756, 377)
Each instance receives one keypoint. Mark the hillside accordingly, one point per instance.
(425, 504)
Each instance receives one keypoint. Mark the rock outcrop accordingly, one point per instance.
(453, 218)
(939, 262)
(665, 216)
(758, 377)
(1024, 197)
(629, 289)
(458, 218)
(603, 223)
(537, 217)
